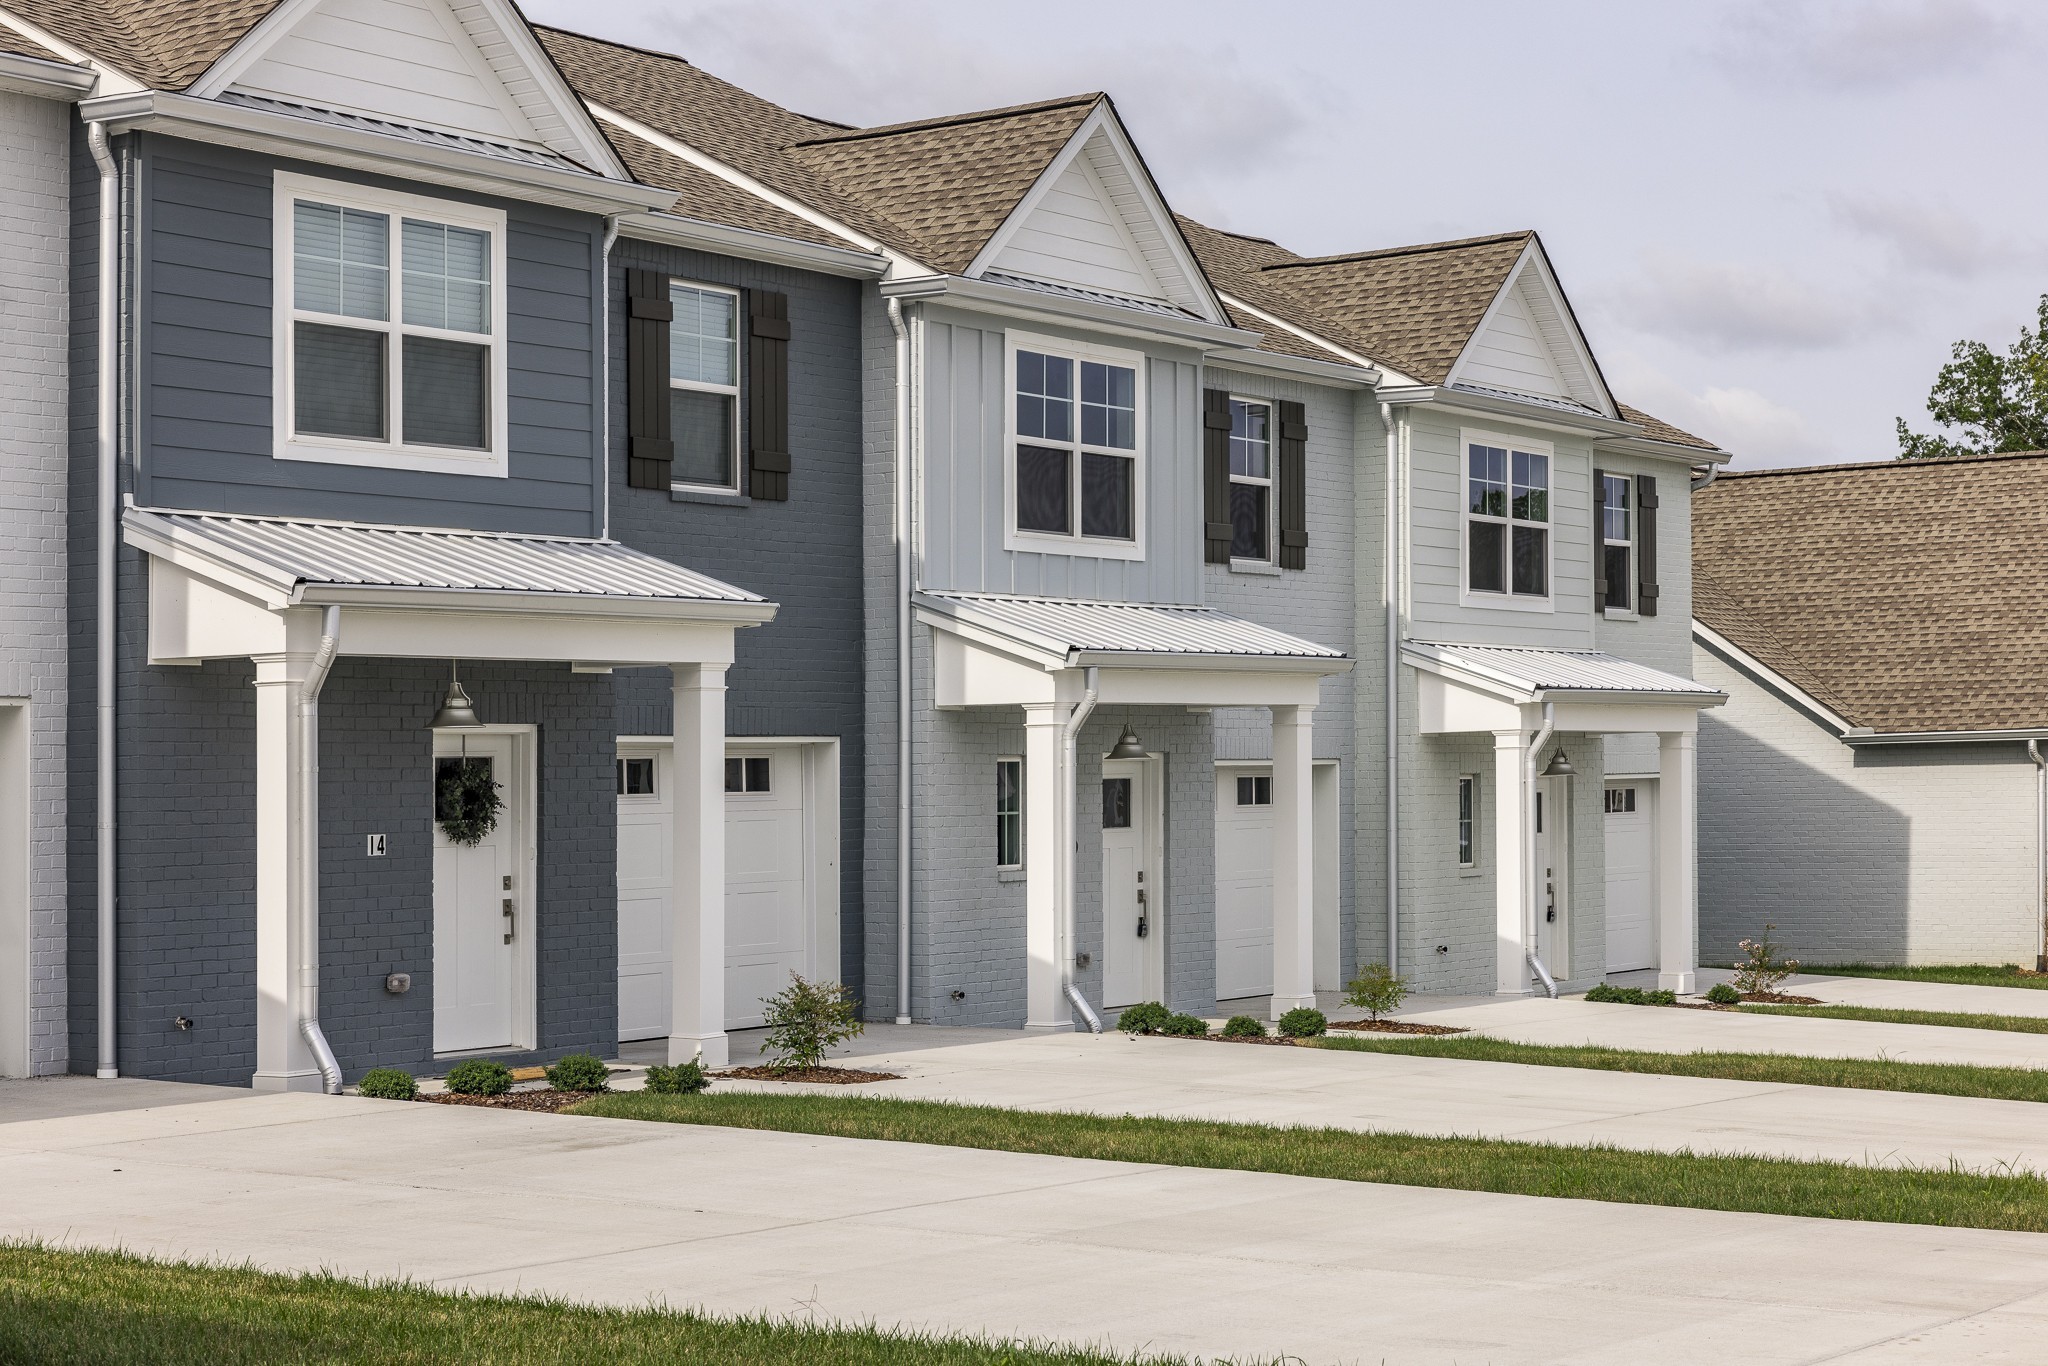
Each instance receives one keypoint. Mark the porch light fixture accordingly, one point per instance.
(457, 711)
(1127, 746)
(1559, 766)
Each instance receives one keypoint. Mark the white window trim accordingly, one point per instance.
(1504, 602)
(393, 454)
(1255, 563)
(653, 794)
(1600, 511)
(1045, 542)
(1022, 803)
(739, 323)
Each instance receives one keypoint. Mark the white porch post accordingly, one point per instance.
(1294, 858)
(1677, 868)
(697, 1018)
(283, 1062)
(1510, 863)
(1044, 1007)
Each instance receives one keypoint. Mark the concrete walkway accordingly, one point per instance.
(1883, 992)
(1135, 1257)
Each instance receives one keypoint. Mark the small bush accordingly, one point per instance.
(807, 1018)
(1721, 994)
(1148, 1018)
(1243, 1027)
(1185, 1026)
(1763, 971)
(1631, 996)
(1377, 990)
(580, 1072)
(686, 1080)
(1304, 1022)
(480, 1077)
(388, 1083)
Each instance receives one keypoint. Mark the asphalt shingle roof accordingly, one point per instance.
(21, 45)
(709, 197)
(164, 44)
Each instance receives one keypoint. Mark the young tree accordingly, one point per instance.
(2000, 403)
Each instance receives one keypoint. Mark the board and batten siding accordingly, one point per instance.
(208, 386)
(965, 402)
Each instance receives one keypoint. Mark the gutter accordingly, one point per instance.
(1069, 773)
(25, 75)
(903, 672)
(1529, 847)
(1130, 322)
(604, 372)
(107, 385)
(1528, 414)
(697, 234)
(1864, 735)
(307, 832)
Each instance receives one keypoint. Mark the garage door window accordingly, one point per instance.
(636, 777)
(746, 775)
(1254, 791)
(1620, 800)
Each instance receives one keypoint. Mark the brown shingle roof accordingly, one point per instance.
(1656, 429)
(21, 45)
(1235, 264)
(164, 44)
(1908, 595)
(706, 196)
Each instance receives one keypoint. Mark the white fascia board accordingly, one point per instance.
(264, 130)
(1038, 651)
(1321, 665)
(1507, 688)
(35, 76)
(541, 604)
(1464, 401)
(1650, 448)
(1771, 678)
(723, 240)
(1012, 301)
(1859, 736)
(110, 80)
(1342, 354)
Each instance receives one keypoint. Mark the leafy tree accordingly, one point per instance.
(2000, 403)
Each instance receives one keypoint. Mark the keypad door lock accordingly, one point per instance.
(1144, 918)
(511, 917)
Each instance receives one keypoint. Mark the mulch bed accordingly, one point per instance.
(1772, 998)
(1395, 1027)
(838, 1076)
(544, 1102)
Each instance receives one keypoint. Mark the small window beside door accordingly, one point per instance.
(1468, 791)
(1009, 813)
(1116, 803)
(747, 775)
(1255, 791)
(636, 777)
(1620, 800)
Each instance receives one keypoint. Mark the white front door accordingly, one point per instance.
(1631, 924)
(1244, 883)
(1130, 901)
(480, 904)
(1553, 875)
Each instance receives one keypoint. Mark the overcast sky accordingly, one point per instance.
(1772, 219)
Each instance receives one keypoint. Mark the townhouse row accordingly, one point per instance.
(520, 545)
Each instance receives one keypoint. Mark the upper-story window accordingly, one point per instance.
(390, 343)
(1251, 480)
(1617, 541)
(704, 385)
(1076, 427)
(1507, 522)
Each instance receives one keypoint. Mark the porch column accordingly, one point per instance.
(1294, 859)
(697, 925)
(1043, 1006)
(1510, 863)
(1677, 862)
(283, 1062)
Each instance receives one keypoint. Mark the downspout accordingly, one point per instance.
(2040, 855)
(1700, 481)
(1529, 851)
(109, 492)
(604, 372)
(1069, 773)
(1390, 573)
(308, 835)
(903, 590)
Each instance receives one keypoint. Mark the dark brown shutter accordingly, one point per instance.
(1646, 545)
(1216, 476)
(1291, 484)
(1599, 539)
(650, 451)
(768, 396)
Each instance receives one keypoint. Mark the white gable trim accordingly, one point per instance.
(1353, 357)
(501, 52)
(1150, 230)
(1532, 284)
(1762, 673)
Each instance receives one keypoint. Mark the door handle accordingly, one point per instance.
(511, 919)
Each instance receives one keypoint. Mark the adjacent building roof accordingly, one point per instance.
(1083, 632)
(1656, 429)
(1904, 595)
(1537, 672)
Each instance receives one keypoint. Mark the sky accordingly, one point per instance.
(1773, 219)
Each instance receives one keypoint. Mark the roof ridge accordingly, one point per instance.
(884, 130)
(1895, 463)
(1419, 249)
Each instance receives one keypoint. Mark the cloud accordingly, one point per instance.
(1726, 306)
(1922, 237)
(1758, 430)
(1864, 44)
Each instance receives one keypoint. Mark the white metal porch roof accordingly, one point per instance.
(1536, 671)
(1126, 633)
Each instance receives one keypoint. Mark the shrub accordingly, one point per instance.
(1764, 971)
(388, 1083)
(1185, 1026)
(1631, 996)
(1304, 1022)
(805, 1019)
(580, 1072)
(1148, 1018)
(1243, 1027)
(1721, 994)
(1377, 990)
(685, 1080)
(480, 1077)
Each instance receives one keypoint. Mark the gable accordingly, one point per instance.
(1076, 236)
(1529, 343)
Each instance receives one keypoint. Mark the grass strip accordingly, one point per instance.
(1858, 1074)
(1961, 975)
(1953, 1197)
(106, 1307)
(1957, 1019)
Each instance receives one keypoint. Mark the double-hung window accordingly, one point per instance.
(1507, 521)
(1076, 473)
(1009, 813)
(1617, 541)
(1251, 480)
(390, 340)
(704, 385)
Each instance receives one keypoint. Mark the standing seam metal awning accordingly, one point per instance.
(1537, 671)
(1077, 633)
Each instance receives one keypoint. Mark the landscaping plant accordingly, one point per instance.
(1377, 990)
(1148, 1018)
(1764, 971)
(1185, 1026)
(479, 1077)
(1721, 994)
(580, 1072)
(805, 1019)
(1243, 1027)
(1631, 996)
(388, 1083)
(686, 1079)
(1304, 1022)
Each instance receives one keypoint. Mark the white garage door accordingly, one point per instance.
(1244, 883)
(1631, 931)
(767, 892)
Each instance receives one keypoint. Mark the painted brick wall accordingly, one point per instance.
(1904, 854)
(34, 298)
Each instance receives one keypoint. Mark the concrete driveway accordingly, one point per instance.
(1135, 1257)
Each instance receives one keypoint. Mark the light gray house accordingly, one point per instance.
(1874, 785)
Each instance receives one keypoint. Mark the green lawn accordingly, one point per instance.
(1861, 1074)
(93, 1307)
(2011, 1024)
(1962, 975)
(1824, 1190)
